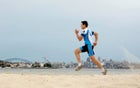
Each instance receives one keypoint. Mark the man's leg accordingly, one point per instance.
(98, 63)
(77, 54)
(93, 58)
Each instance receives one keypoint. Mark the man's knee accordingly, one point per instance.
(92, 57)
(77, 51)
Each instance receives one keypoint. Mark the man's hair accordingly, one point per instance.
(85, 23)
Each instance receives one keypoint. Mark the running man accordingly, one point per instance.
(87, 35)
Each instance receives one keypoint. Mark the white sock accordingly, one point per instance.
(103, 70)
(79, 64)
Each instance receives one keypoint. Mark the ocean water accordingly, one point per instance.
(67, 71)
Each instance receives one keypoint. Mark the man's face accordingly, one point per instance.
(83, 26)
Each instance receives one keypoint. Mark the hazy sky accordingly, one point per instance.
(45, 28)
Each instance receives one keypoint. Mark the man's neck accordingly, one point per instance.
(85, 28)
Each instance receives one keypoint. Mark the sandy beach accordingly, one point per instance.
(69, 81)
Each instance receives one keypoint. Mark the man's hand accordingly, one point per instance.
(95, 43)
(76, 31)
(79, 37)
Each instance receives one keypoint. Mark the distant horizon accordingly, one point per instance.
(129, 57)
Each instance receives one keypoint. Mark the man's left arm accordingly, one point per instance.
(96, 38)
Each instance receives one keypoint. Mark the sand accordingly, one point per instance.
(69, 81)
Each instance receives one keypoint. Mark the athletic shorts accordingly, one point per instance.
(88, 49)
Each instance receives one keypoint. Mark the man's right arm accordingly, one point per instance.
(79, 37)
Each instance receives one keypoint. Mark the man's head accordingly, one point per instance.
(84, 24)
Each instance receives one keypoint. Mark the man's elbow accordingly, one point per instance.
(96, 34)
(79, 39)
